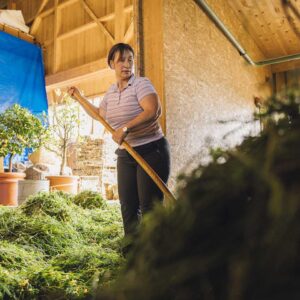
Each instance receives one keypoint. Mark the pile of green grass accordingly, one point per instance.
(56, 246)
(90, 199)
(235, 231)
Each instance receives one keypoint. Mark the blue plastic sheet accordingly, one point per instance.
(22, 79)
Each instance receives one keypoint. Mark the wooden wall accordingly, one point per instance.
(76, 36)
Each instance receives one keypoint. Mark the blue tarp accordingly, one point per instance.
(22, 79)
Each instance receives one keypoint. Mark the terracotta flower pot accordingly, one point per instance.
(1, 165)
(9, 188)
(64, 183)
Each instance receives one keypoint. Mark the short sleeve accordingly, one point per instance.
(144, 87)
(103, 103)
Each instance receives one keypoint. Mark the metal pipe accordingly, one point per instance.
(207, 9)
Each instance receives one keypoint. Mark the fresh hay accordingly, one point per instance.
(90, 199)
(57, 205)
(52, 248)
(234, 232)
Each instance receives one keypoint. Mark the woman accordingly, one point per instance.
(131, 106)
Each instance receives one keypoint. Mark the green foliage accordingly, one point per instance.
(51, 248)
(19, 129)
(90, 199)
(234, 232)
(63, 130)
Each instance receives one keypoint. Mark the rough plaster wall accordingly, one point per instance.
(206, 81)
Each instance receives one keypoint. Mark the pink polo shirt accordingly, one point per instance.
(122, 107)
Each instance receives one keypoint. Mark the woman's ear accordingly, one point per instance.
(111, 64)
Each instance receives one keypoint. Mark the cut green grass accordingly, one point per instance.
(53, 247)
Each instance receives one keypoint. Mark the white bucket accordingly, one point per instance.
(31, 187)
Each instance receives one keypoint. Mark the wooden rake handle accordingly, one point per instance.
(158, 181)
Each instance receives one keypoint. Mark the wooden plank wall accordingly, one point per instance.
(77, 33)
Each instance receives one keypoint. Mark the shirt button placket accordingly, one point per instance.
(119, 98)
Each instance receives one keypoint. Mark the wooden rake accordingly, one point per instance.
(158, 181)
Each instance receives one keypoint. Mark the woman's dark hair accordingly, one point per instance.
(120, 47)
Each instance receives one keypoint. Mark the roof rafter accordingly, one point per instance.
(96, 19)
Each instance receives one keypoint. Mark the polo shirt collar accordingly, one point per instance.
(129, 83)
(131, 80)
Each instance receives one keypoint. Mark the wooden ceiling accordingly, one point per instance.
(274, 26)
(76, 36)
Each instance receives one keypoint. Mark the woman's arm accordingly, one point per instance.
(91, 109)
(145, 121)
(151, 108)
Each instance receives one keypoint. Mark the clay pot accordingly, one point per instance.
(64, 183)
(9, 188)
(1, 165)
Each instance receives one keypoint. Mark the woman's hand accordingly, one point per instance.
(119, 135)
(74, 92)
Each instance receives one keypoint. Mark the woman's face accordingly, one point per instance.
(123, 66)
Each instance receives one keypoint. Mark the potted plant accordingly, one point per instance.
(19, 129)
(65, 123)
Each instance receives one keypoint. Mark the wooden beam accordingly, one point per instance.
(43, 4)
(12, 4)
(56, 54)
(119, 21)
(78, 74)
(91, 25)
(82, 28)
(129, 33)
(94, 17)
(17, 32)
(282, 67)
(138, 37)
(37, 18)
(59, 7)
(111, 16)
(128, 9)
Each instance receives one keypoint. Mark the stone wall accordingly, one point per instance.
(94, 157)
(206, 81)
(86, 159)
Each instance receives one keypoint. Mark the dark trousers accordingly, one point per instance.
(137, 191)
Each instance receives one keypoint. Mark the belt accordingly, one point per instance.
(143, 149)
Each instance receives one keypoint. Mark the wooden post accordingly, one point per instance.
(12, 4)
(119, 21)
(152, 49)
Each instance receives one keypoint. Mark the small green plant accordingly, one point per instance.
(63, 129)
(20, 129)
